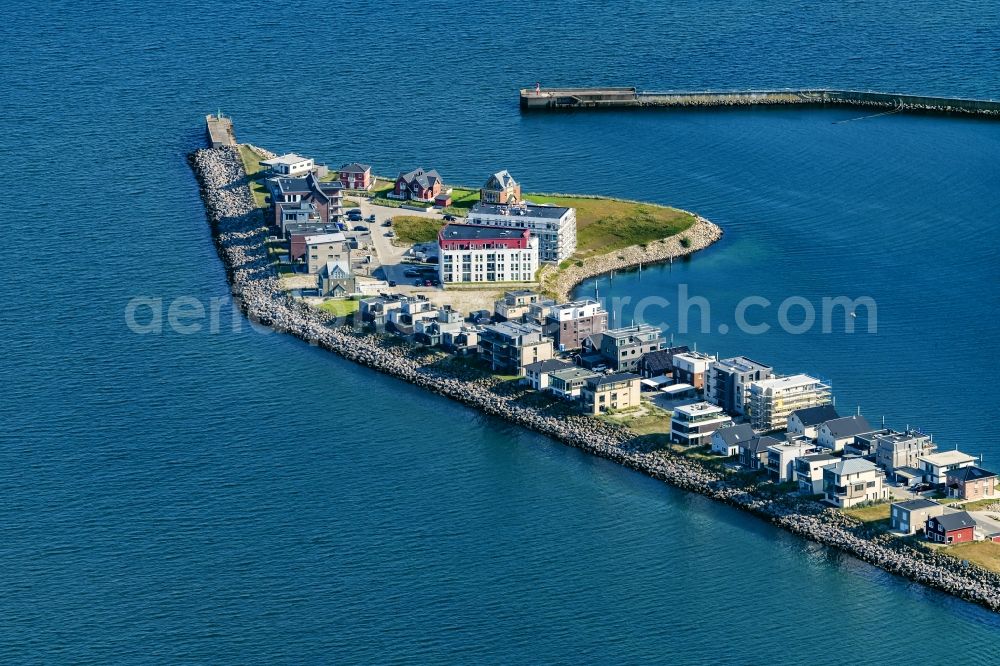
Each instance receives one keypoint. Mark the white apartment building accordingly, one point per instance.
(693, 425)
(474, 253)
(553, 226)
(936, 466)
(773, 400)
(289, 165)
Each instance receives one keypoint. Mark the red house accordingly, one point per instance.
(355, 176)
(419, 185)
(958, 527)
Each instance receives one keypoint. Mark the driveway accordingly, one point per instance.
(387, 259)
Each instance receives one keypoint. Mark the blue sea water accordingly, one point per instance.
(238, 496)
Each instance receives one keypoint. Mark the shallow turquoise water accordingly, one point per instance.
(242, 497)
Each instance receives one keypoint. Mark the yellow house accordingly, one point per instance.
(606, 392)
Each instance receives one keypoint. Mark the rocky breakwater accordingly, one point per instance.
(697, 237)
(239, 232)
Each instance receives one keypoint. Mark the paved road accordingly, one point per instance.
(388, 258)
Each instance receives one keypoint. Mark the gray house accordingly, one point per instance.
(622, 348)
(335, 279)
(909, 517)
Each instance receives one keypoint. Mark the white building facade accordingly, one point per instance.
(553, 226)
(474, 253)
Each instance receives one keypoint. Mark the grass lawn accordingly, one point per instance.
(978, 505)
(461, 201)
(340, 308)
(870, 514)
(251, 162)
(605, 225)
(412, 229)
(984, 553)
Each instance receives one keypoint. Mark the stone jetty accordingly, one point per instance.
(239, 232)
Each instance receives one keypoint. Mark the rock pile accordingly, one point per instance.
(240, 231)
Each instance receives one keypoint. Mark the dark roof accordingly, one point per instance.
(477, 232)
(662, 359)
(972, 473)
(735, 434)
(611, 379)
(913, 505)
(517, 210)
(848, 426)
(811, 416)
(548, 366)
(425, 179)
(355, 167)
(760, 443)
(955, 521)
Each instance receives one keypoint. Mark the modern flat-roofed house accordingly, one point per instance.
(809, 471)
(726, 441)
(289, 164)
(473, 253)
(515, 304)
(538, 374)
(500, 188)
(326, 197)
(957, 527)
(336, 279)
(895, 450)
(568, 383)
(773, 400)
(753, 454)
(937, 465)
(692, 368)
(693, 425)
(610, 392)
(622, 348)
(838, 433)
(356, 176)
(911, 517)
(576, 321)
(781, 459)
(727, 382)
(660, 363)
(323, 248)
(298, 214)
(853, 481)
(553, 226)
(376, 310)
(971, 483)
(806, 422)
(509, 346)
(418, 185)
(298, 233)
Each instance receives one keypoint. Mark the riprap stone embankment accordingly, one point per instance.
(239, 233)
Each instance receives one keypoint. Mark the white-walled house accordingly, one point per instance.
(726, 441)
(838, 433)
(853, 481)
(290, 164)
(806, 422)
(936, 466)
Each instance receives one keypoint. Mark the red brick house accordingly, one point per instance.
(419, 185)
(971, 483)
(355, 176)
(958, 527)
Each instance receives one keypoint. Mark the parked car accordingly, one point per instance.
(387, 223)
(921, 487)
(418, 283)
(388, 234)
(410, 273)
(436, 282)
(427, 283)
(449, 218)
(371, 218)
(431, 260)
(361, 227)
(392, 283)
(353, 211)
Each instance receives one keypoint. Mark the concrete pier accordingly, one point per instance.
(220, 131)
(541, 99)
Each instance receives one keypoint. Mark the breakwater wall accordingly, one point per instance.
(623, 98)
(239, 233)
